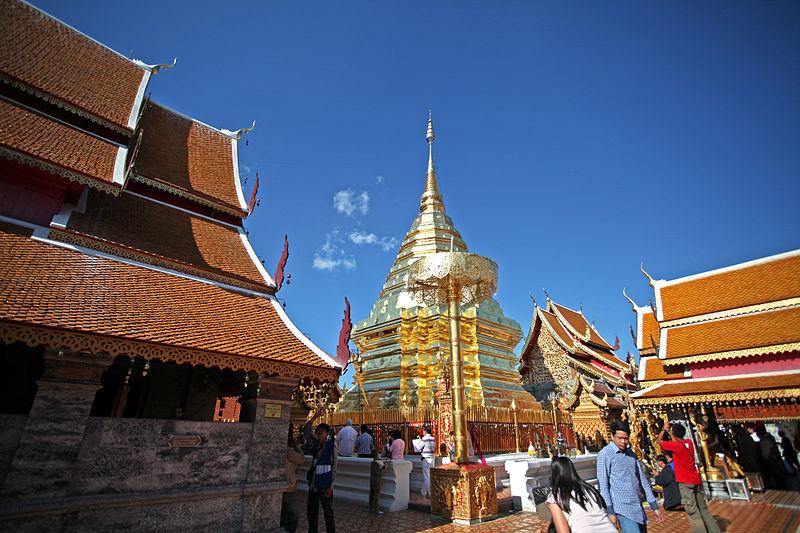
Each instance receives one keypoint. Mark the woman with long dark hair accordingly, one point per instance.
(575, 505)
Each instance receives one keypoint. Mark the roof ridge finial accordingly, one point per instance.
(431, 198)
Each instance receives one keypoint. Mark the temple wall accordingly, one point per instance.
(61, 470)
(11, 427)
(122, 454)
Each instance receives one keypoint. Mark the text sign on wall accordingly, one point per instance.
(272, 410)
(184, 441)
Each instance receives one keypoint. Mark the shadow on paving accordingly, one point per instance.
(732, 517)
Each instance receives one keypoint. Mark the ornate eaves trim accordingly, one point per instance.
(64, 105)
(771, 394)
(749, 309)
(733, 354)
(58, 339)
(160, 185)
(58, 170)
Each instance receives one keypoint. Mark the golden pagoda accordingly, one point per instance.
(404, 347)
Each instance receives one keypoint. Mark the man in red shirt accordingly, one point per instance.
(688, 478)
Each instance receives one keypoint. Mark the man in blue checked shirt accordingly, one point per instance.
(621, 479)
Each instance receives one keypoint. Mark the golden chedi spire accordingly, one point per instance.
(431, 199)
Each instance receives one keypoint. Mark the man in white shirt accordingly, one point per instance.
(346, 439)
(427, 448)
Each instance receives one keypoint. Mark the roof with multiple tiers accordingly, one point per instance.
(44, 57)
(745, 310)
(579, 339)
(162, 265)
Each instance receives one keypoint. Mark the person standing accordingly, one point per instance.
(364, 442)
(320, 481)
(621, 480)
(688, 478)
(747, 454)
(666, 478)
(773, 462)
(576, 506)
(289, 505)
(346, 439)
(428, 452)
(376, 469)
(789, 453)
(396, 447)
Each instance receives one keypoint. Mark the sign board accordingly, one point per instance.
(273, 410)
(184, 441)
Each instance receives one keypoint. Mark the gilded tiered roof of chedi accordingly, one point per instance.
(402, 344)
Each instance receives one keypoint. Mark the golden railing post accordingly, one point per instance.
(516, 427)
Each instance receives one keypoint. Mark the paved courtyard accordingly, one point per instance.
(732, 517)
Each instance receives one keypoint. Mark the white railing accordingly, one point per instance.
(351, 483)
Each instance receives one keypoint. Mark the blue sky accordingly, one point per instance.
(573, 139)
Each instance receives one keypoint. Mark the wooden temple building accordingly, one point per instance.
(131, 302)
(565, 358)
(722, 346)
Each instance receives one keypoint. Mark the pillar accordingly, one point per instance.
(269, 411)
(48, 449)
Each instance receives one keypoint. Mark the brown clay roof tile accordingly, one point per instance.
(770, 328)
(43, 53)
(188, 156)
(755, 284)
(49, 286)
(141, 224)
(37, 136)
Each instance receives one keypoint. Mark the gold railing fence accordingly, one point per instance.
(494, 426)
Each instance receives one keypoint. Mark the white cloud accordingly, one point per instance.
(347, 202)
(386, 244)
(331, 257)
(379, 180)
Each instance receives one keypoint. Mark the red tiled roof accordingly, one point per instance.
(579, 323)
(762, 282)
(187, 156)
(770, 328)
(725, 385)
(141, 224)
(46, 55)
(559, 330)
(66, 148)
(49, 286)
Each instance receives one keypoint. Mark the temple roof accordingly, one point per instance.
(189, 159)
(578, 325)
(158, 233)
(767, 385)
(652, 369)
(93, 301)
(590, 355)
(38, 141)
(46, 58)
(648, 332)
(770, 279)
(767, 332)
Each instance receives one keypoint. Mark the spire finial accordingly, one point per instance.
(431, 198)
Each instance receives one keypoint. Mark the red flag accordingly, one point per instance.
(616, 342)
(282, 262)
(252, 204)
(343, 348)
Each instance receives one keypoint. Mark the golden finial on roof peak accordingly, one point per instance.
(431, 198)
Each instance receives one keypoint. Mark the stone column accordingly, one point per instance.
(43, 463)
(269, 411)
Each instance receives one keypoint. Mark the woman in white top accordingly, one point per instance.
(575, 505)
